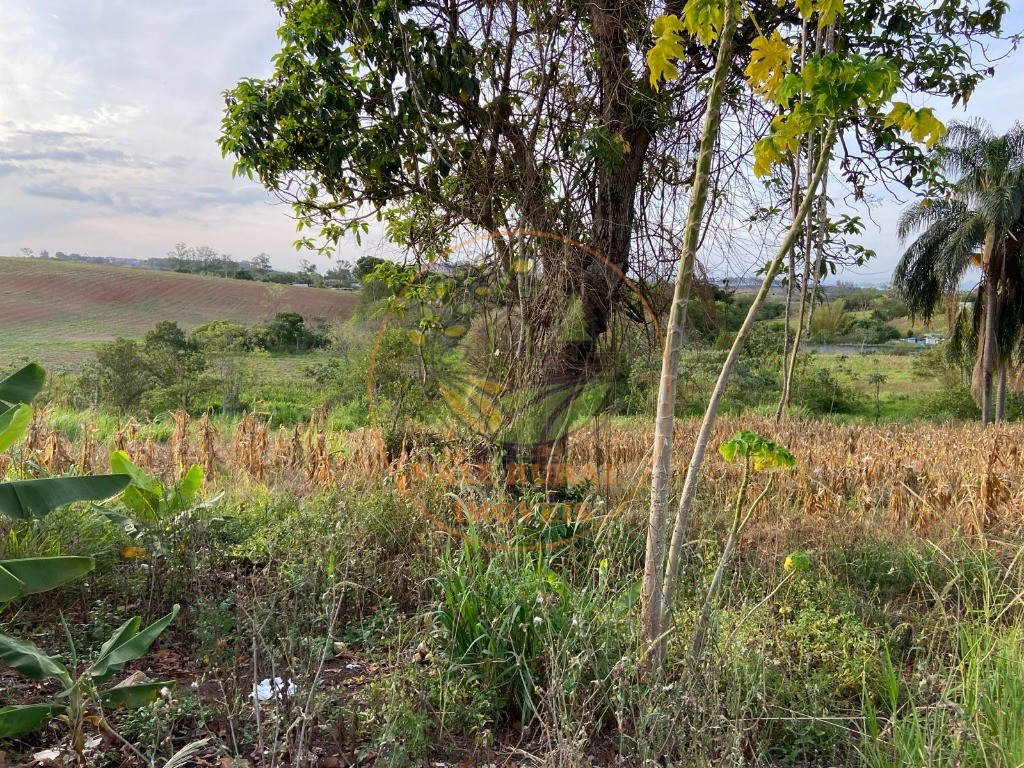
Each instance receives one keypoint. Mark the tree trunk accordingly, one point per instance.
(661, 462)
(700, 447)
(1001, 396)
(989, 340)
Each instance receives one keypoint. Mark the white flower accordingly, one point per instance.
(538, 620)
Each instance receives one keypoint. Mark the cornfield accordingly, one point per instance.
(917, 479)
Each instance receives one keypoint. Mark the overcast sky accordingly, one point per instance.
(110, 110)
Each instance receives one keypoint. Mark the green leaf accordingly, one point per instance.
(189, 485)
(796, 561)
(122, 465)
(134, 695)
(921, 124)
(13, 423)
(119, 654)
(122, 635)
(22, 386)
(26, 657)
(39, 574)
(765, 453)
(10, 585)
(25, 718)
(25, 499)
(704, 19)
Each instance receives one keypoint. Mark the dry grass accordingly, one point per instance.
(919, 480)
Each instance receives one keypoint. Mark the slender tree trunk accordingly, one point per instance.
(787, 384)
(661, 463)
(789, 353)
(794, 206)
(819, 256)
(700, 447)
(989, 343)
(1000, 397)
(794, 201)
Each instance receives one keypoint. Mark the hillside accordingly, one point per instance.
(54, 311)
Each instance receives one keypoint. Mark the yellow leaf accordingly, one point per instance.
(133, 553)
(455, 331)
(804, 7)
(667, 49)
(522, 265)
(704, 19)
(828, 11)
(770, 59)
(416, 337)
(921, 124)
(766, 154)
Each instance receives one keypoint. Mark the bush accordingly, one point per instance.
(956, 404)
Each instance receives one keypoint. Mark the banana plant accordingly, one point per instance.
(85, 693)
(153, 508)
(28, 500)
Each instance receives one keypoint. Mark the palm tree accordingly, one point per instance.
(980, 222)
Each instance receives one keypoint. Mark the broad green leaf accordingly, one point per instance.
(25, 499)
(26, 657)
(25, 718)
(10, 585)
(39, 574)
(132, 648)
(765, 453)
(134, 695)
(796, 561)
(121, 635)
(189, 485)
(142, 503)
(22, 386)
(120, 464)
(13, 423)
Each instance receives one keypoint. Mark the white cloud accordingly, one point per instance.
(110, 110)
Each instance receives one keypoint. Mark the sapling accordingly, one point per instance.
(85, 693)
(757, 454)
(820, 97)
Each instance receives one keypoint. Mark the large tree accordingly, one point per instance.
(978, 222)
(527, 115)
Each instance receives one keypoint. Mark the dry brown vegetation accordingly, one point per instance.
(918, 480)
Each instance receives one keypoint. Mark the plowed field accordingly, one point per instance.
(53, 311)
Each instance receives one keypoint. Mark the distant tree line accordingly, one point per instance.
(204, 260)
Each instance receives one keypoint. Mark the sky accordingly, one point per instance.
(110, 111)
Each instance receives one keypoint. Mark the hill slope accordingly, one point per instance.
(54, 311)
